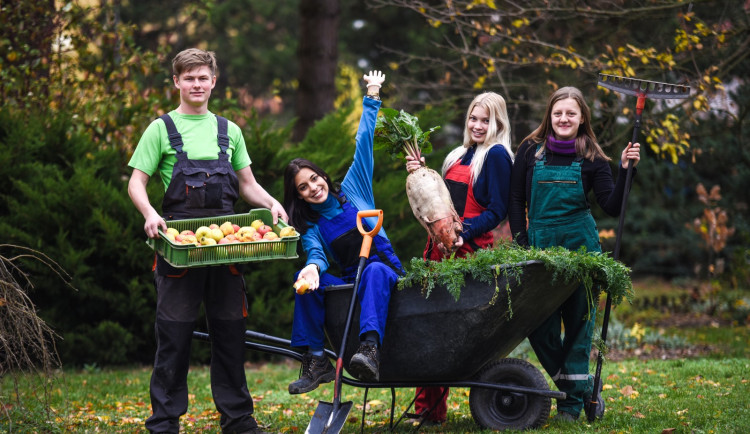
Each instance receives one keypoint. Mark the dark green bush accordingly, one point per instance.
(64, 198)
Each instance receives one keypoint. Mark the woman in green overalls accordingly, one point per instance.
(555, 168)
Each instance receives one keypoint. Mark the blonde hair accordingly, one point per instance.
(586, 144)
(187, 60)
(498, 133)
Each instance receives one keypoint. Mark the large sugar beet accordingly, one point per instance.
(432, 206)
(398, 133)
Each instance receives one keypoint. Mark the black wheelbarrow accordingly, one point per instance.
(438, 341)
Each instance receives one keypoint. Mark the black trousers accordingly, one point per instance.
(180, 293)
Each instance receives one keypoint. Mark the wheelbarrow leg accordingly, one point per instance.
(393, 406)
(403, 414)
(422, 416)
(364, 411)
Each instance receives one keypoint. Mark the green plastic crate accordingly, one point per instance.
(182, 256)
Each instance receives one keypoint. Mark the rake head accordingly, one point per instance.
(649, 89)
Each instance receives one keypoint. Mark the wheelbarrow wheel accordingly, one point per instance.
(497, 409)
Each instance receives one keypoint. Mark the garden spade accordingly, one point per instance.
(642, 89)
(330, 417)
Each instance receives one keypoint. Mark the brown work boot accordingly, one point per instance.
(313, 372)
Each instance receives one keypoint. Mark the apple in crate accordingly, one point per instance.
(203, 231)
(207, 241)
(257, 223)
(227, 228)
(264, 229)
(245, 234)
(287, 231)
(216, 234)
(270, 236)
(189, 239)
(172, 234)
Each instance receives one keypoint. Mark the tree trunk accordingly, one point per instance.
(318, 57)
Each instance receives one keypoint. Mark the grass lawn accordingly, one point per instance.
(696, 396)
(680, 377)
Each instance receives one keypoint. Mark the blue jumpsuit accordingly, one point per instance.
(335, 234)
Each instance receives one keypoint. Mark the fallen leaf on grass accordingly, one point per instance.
(681, 412)
(629, 392)
(667, 430)
(639, 415)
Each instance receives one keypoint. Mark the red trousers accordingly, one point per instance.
(427, 397)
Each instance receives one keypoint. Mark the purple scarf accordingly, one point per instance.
(561, 146)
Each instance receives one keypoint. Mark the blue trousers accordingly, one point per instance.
(374, 294)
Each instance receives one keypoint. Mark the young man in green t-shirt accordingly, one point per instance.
(203, 163)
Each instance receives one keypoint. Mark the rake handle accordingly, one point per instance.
(591, 408)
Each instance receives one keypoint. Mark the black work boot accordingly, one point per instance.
(314, 371)
(365, 363)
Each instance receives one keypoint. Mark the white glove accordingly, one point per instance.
(374, 78)
(310, 273)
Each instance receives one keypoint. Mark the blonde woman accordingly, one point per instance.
(477, 174)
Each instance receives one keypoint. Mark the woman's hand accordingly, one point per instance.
(631, 152)
(457, 245)
(310, 273)
(412, 164)
(374, 80)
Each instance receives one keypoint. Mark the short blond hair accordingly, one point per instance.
(187, 60)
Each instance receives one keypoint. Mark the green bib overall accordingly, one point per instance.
(560, 216)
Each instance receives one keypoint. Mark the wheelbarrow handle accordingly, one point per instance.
(364, 251)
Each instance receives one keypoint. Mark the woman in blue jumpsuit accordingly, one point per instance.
(326, 216)
(555, 167)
